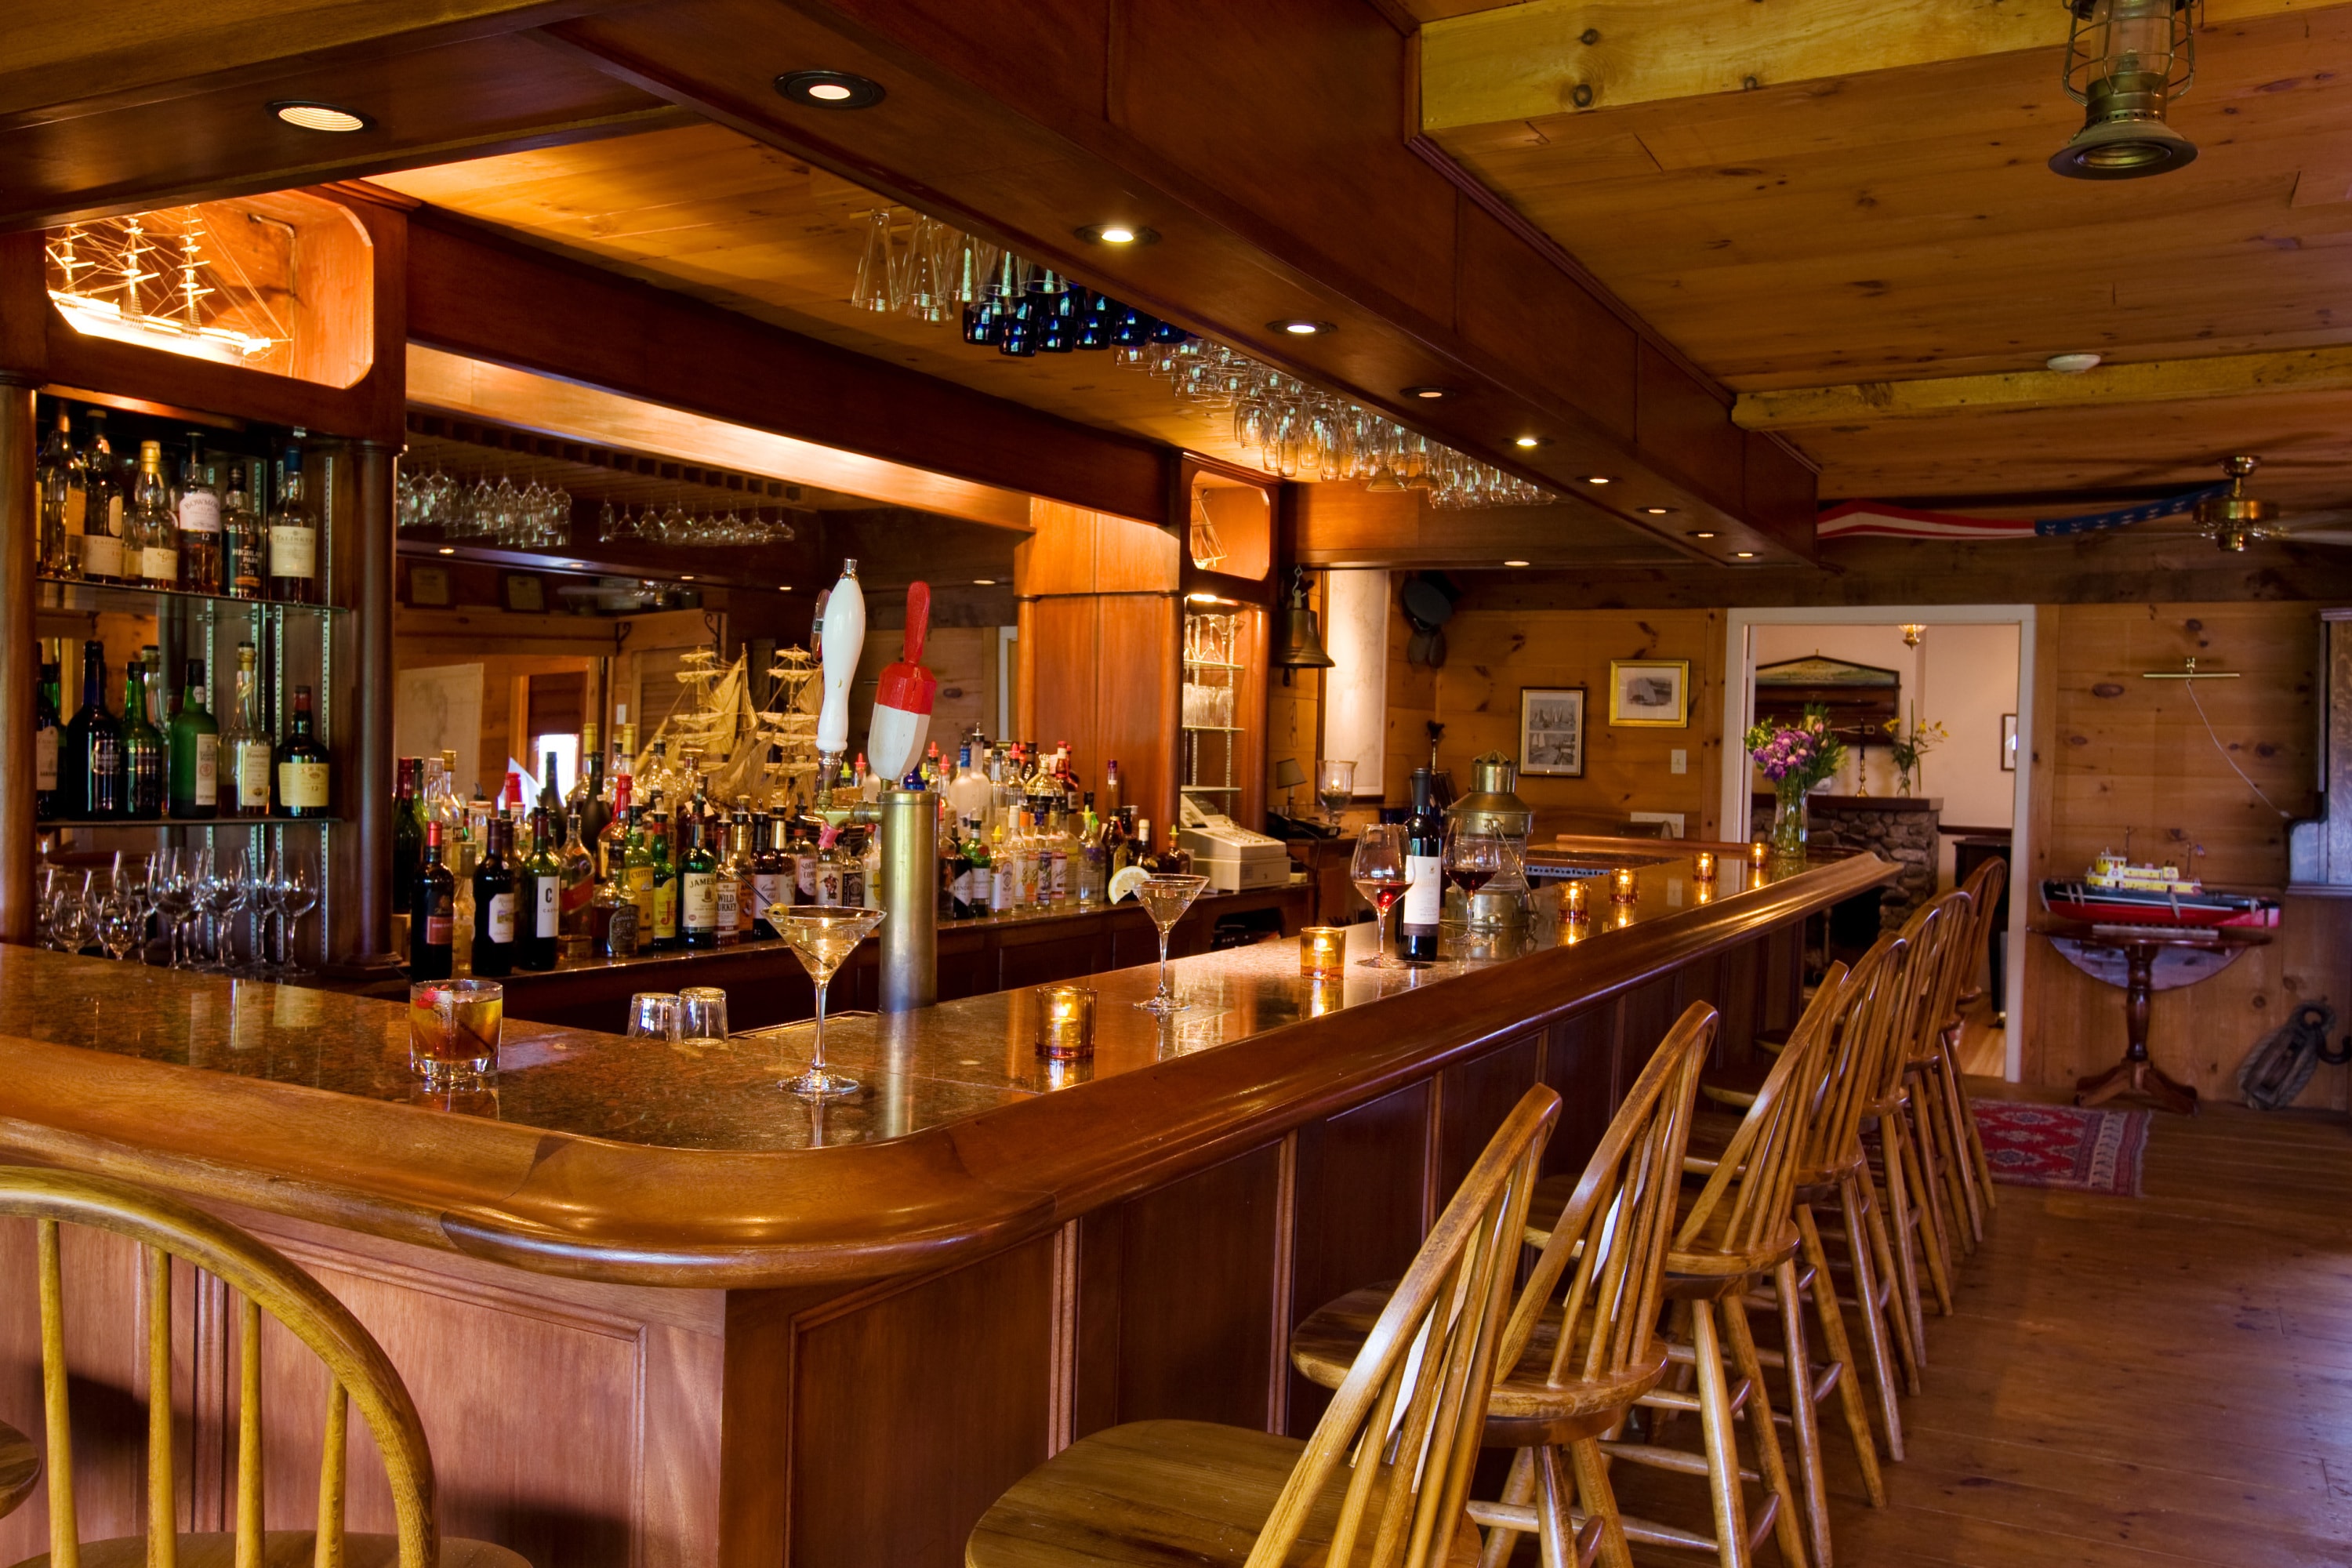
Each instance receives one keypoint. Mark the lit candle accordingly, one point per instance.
(1756, 850)
(1702, 866)
(1575, 904)
(1065, 1022)
(1323, 952)
(1621, 886)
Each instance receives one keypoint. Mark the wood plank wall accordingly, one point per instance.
(2115, 751)
(1492, 654)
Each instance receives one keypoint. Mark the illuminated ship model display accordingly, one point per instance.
(2116, 892)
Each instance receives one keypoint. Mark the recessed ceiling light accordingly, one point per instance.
(1659, 510)
(448, 550)
(1745, 554)
(1119, 234)
(686, 576)
(1514, 562)
(308, 116)
(1596, 478)
(783, 587)
(983, 581)
(830, 90)
(1702, 533)
(1532, 441)
(1430, 393)
(2072, 364)
(1300, 327)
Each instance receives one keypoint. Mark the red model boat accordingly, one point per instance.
(2094, 905)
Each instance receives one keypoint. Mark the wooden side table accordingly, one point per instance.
(2152, 959)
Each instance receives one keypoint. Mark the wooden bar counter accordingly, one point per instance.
(655, 1311)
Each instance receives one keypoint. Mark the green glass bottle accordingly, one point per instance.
(539, 897)
(697, 884)
(145, 769)
(192, 741)
(665, 870)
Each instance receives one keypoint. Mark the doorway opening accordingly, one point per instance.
(1965, 670)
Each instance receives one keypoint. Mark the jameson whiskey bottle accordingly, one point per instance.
(697, 884)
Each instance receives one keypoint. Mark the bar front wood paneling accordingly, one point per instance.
(803, 1354)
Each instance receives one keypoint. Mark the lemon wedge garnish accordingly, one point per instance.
(1128, 879)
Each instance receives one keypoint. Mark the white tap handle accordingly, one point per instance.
(845, 643)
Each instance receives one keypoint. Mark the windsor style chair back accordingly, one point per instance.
(358, 1373)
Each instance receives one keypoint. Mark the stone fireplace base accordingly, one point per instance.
(1901, 829)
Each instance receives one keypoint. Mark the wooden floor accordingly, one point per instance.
(2132, 1383)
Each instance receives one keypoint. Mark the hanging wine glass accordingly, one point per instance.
(877, 285)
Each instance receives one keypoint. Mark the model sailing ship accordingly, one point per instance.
(2116, 892)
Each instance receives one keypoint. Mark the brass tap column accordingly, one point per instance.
(908, 896)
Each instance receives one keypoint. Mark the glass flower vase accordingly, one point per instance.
(1789, 820)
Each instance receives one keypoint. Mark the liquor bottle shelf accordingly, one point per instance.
(58, 593)
(1212, 729)
(1209, 664)
(274, 821)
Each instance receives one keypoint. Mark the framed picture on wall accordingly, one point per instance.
(1653, 693)
(2009, 742)
(428, 586)
(525, 593)
(1551, 731)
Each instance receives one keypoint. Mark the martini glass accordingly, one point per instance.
(1165, 899)
(823, 935)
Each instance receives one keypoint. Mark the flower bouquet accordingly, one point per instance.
(1910, 745)
(1796, 758)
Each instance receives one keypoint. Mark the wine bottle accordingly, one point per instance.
(294, 540)
(49, 728)
(143, 764)
(408, 832)
(89, 760)
(245, 745)
(539, 883)
(432, 906)
(194, 741)
(1424, 903)
(302, 765)
(697, 884)
(494, 903)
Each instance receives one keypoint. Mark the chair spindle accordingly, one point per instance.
(162, 1529)
(65, 1536)
(249, 1543)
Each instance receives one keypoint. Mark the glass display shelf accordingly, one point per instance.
(1209, 664)
(1213, 728)
(1209, 789)
(280, 821)
(64, 593)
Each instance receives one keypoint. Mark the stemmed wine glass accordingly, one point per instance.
(70, 913)
(823, 935)
(121, 918)
(172, 882)
(1472, 859)
(1165, 899)
(1379, 873)
(220, 890)
(294, 892)
(1334, 786)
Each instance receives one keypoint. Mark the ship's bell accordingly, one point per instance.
(1301, 644)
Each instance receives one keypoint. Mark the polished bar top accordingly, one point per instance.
(611, 1158)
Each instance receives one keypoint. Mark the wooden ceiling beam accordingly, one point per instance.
(2106, 386)
(1559, 57)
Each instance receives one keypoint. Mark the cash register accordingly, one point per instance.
(1233, 858)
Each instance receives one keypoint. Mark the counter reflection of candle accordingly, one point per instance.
(1065, 1022)
(1756, 850)
(1702, 866)
(1575, 904)
(1621, 885)
(1323, 996)
(1703, 892)
(1323, 952)
(1624, 916)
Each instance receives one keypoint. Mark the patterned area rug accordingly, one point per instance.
(2066, 1146)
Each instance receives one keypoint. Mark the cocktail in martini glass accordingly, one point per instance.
(825, 936)
(1165, 899)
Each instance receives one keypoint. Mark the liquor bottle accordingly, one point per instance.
(576, 924)
(1424, 868)
(56, 474)
(194, 743)
(97, 513)
(199, 523)
(733, 887)
(494, 904)
(151, 526)
(245, 746)
(664, 873)
(294, 540)
(589, 800)
(1114, 791)
(432, 903)
(49, 728)
(770, 886)
(408, 831)
(144, 772)
(303, 766)
(697, 884)
(612, 842)
(89, 759)
(539, 884)
(243, 545)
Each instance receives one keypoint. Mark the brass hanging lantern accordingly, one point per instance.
(1301, 646)
(2126, 61)
(2236, 520)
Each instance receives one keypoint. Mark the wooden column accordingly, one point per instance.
(360, 936)
(20, 530)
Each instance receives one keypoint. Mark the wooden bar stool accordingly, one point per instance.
(1984, 886)
(1732, 1230)
(20, 1469)
(357, 1373)
(1386, 1475)
(1937, 1101)
(1909, 1193)
(1574, 1358)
